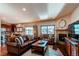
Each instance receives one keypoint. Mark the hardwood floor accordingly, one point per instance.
(62, 48)
(3, 50)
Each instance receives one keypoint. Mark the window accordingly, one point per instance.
(3, 29)
(19, 29)
(29, 30)
(47, 29)
(76, 28)
(44, 29)
(50, 29)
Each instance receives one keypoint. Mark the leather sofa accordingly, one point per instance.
(15, 48)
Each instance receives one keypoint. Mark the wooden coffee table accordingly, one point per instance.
(40, 46)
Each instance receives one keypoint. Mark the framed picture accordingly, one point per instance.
(62, 23)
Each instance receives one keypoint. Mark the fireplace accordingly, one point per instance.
(61, 37)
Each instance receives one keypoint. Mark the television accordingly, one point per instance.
(76, 29)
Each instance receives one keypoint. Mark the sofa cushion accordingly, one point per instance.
(12, 43)
(25, 44)
(20, 40)
(25, 38)
(30, 42)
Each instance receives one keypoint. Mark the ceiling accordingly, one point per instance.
(13, 13)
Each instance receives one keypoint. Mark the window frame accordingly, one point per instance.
(47, 27)
(76, 28)
(27, 27)
(19, 29)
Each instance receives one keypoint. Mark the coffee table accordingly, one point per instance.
(39, 46)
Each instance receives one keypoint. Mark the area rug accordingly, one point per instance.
(49, 52)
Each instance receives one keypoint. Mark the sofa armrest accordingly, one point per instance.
(12, 44)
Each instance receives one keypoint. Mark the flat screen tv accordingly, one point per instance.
(76, 29)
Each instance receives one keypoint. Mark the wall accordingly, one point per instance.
(75, 15)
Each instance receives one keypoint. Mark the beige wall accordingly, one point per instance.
(75, 15)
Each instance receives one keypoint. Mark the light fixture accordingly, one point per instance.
(24, 9)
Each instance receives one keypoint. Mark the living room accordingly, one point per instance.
(51, 23)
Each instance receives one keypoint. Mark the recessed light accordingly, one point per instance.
(24, 9)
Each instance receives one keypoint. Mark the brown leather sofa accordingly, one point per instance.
(16, 49)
